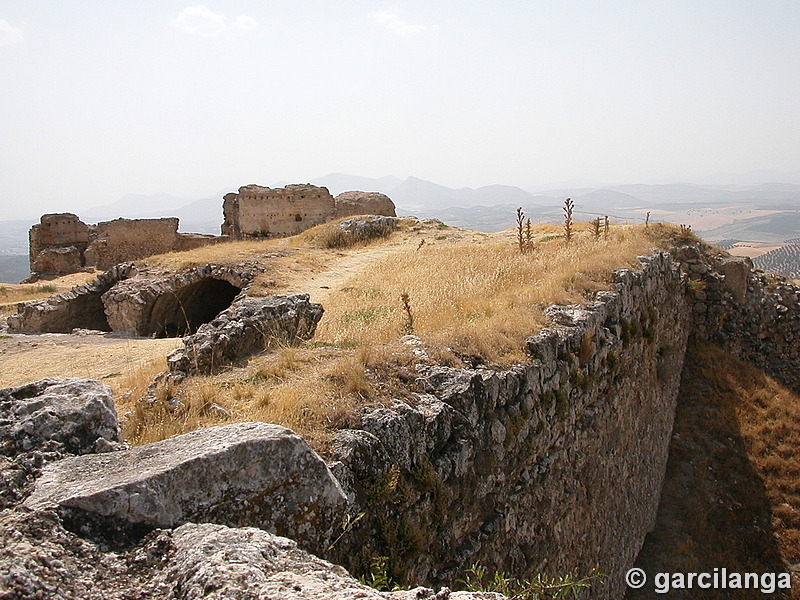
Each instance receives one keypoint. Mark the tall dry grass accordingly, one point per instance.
(468, 296)
(480, 298)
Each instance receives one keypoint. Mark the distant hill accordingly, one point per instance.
(783, 261)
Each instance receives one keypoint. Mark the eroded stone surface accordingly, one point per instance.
(244, 474)
(364, 203)
(244, 329)
(68, 415)
(40, 560)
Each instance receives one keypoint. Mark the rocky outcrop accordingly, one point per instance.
(244, 474)
(69, 540)
(76, 416)
(367, 227)
(244, 329)
(40, 560)
(364, 203)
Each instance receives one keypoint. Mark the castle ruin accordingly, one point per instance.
(61, 243)
(257, 211)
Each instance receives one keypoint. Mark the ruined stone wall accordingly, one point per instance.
(62, 238)
(123, 240)
(546, 467)
(257, 211)
(753, 315)
(63, 244)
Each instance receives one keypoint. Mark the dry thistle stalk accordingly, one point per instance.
(568, 206)
(520, 234)
(605, 228)
(528, 236)
(408, 326)
(596, 228)
(647, 220)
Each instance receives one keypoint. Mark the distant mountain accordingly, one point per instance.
(340, 182)
(134, 206)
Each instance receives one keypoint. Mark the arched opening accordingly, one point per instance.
(179, 313)
(298, 218)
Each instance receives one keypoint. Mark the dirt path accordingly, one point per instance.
(109, 358)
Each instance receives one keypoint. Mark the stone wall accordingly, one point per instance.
(753, 315)
(546, 467)
(62, 243)
(257, 211)
(62, 238)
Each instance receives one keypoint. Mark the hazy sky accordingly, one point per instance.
(100, 99)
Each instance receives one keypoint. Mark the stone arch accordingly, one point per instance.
(175, 305)
(80, 308)
(177, 313)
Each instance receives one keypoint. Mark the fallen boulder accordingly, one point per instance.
(246, 474)
(75, 416)
(246, 328)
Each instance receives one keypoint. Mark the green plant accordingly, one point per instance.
(539, 587)
(378, 576)
(695, 287)
(47, 288)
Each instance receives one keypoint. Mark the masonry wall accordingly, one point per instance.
(753, 315)
(545, 467)
(257, 211)
(64, 232)
(123, 240)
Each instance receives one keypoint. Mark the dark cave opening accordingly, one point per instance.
(85, 311)
(180, 313)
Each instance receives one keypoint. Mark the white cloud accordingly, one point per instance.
(393, 21)
(245, 23)
(9, 34)
(199, 20)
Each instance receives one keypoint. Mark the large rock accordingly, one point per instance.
(244, 329)
(364, 203)
(247, 474)
(366, 227)
(69, 415)
(40, 560)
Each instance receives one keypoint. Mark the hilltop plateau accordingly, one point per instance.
(464, 408)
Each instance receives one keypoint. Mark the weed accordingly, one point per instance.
(596, 229)
(540, 587)
(520, 232)
(408, 324)
(568, 206)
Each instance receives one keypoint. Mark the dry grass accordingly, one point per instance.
(12, 293)
(309, 390)
(470, 297)
(732, 493)
(477, 298)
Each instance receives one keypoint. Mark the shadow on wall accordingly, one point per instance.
(715, 510)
